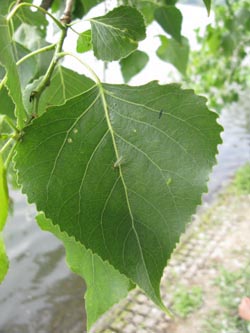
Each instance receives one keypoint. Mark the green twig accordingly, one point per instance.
(11, 124)
(2, 83)
(39, 51)
(46, 79)
(5, 136)
(25, 4)
(32, 54)
(76, 32)
(63, 54)
(5, 147)
(10, 155)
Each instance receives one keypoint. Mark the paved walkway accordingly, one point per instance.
(203, 241)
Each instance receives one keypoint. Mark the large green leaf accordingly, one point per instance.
(116, 35)
(64, 84)
(4, 197)
(174, 52)
(122, 169)
(105, 285)
(133, 64)
(7, 60)
(170, 19)
(4, 263)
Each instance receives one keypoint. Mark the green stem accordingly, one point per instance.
(10, 155)
(5, 136)
(70, 27)
(63, 54)
(10, 123)
(25, 4)
(3, 149)
(46, 80)
(2, 83)
(32, 54)
(39, 51)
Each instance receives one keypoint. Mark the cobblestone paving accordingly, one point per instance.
(137, 314)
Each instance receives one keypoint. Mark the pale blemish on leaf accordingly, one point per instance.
(118, 162)
(169, 181)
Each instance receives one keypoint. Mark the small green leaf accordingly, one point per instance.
(133, 64)
(123, 211)
(174, 52)
(7, 60)
(147, 8)
(105, 285)
(84, 42)
(170, 19)
(208, 5)
(64, 85)
(4, 196)
(116, 35)
(4, 262)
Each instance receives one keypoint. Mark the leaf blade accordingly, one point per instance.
(170, 19)
(116, 35)
(208, 5)
(133, 64)
(135, 182)
(174, 53)
(8, 61)
(84, 42)
(105, 285)
(64, 85)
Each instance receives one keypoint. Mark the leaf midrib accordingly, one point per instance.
(105, 106)
(108, 26)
